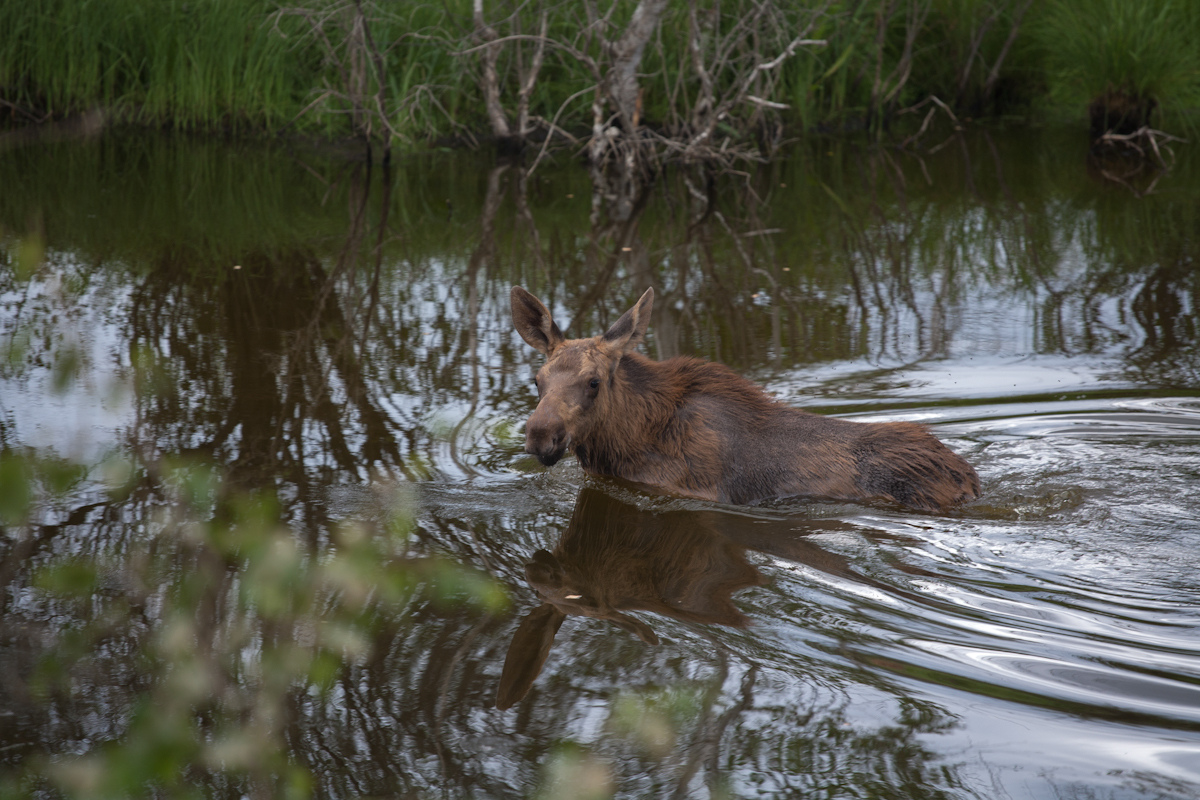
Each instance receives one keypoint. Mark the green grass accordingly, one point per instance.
(203, 63)
(1144, 49)
(238, 65)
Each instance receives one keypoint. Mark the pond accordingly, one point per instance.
(267, 514)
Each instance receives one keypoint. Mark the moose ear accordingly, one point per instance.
(533, 322)
(627, 332)
(527, 653)
(634, 626)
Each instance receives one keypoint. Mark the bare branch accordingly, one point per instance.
(921, 131)
(1150, 136)
(553, 125)
(990, 85)
(490, 82)
(530, 78)
(758, 101)
(574, 52)
(976, 42)
(705, 101)
(742, 91)
(791, 51)
(307, 108)
(622, 86)
(916, 19)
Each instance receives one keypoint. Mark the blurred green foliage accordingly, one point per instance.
(573, 773)
(652, 718)
(30, 252)
(16, 488)
(234, 618)
(27, 477)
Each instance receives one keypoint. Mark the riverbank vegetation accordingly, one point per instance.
(695, 78)
(1124, 60)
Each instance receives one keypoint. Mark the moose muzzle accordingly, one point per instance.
(546, 436)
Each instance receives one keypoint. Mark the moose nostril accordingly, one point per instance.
(539, 437)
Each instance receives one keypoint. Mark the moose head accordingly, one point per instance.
(575, 385)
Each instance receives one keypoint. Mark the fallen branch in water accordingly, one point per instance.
(928, 117)
(1126, 184)
(1146, 135)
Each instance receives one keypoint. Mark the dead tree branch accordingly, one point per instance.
(884, 91)
(989, 86)
(490, 79)
(932, 99)
(1149, 137)
(708, 112)
(977, 38)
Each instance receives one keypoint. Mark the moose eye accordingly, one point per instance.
(594, 384)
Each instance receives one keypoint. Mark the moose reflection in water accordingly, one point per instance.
(698, 429)
(684, 564)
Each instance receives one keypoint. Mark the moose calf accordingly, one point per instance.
(695, 428)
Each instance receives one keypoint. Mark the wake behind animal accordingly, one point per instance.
(695, 428)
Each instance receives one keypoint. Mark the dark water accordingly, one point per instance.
(268, 514)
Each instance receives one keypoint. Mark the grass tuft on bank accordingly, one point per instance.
(1122, 60)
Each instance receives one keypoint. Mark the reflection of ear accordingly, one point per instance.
(527, 653)
(627, 332)
(533, 321)
(634, 626)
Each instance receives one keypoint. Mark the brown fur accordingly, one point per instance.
(698, 429)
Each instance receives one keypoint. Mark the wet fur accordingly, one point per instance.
(698, 429)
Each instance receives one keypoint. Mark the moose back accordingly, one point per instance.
(695, 428)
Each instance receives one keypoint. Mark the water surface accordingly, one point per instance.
(187, 324)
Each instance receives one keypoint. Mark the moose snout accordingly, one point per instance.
(545, 437)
